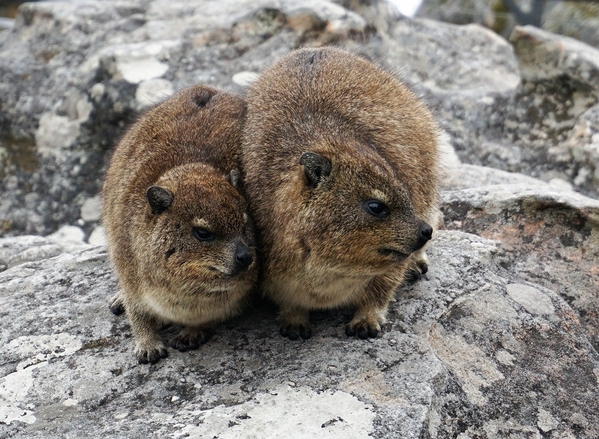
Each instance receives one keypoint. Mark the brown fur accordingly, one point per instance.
(188, 147)
(320, 247)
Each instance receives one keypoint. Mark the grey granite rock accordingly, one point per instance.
(472, 349)
(532, 128)
(582, 148)
(463, 11)
(431, 55)
(28, 248)
(578, 20)
(73, 74)
(529, 129)
(547, 237)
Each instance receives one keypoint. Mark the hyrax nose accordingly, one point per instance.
(243, 257)
(425, 233)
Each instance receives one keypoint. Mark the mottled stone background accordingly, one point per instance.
(499, 340)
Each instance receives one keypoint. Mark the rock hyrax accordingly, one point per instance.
(178, 231)
(341, 167)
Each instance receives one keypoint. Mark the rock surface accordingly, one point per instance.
(74, 74)
(489, 13)
(480, 348)
(576, 18)
(530, 129)
(500, 340)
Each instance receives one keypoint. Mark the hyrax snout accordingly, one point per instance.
(341, 172)
(178, 230)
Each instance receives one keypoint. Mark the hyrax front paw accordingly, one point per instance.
(294, 331)
(362, 329)
(189, 339)
(294, 323)
(415, 272)
(364, 325)
(151, 354)
(417, 267)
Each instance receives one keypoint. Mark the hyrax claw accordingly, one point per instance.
(116, 305)
(294, 323)
(362, 329)
(189, 339)
(293, 332)
(151, 355)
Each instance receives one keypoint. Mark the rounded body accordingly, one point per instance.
(178, 231)
(341, 172)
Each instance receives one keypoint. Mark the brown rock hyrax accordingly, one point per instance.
(341, 167)
(178, 231)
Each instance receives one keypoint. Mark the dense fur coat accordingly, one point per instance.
(178, 231)
(341, 164)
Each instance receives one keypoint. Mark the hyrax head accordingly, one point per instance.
(359, 206)
(199, 230)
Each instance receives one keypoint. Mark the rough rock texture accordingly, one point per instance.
(487, 346)
(578, 20)
(489, 13)
(74, 74)
(29, 248)
(543, 126)
(529, 129)
(572, 18)
(500, 340)
(547, 236)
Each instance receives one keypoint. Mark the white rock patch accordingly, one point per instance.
(546, 421)
(153, 91)
(534, 301)
(55, 133)
(91, 209)
(300, 413)
(71, 234)
(97, 236)
(37, 350)
(137, 70)
(244, 78)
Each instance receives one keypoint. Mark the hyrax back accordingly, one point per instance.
(341, 172)
(178, 232)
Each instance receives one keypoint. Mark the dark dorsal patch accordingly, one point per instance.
(202, 97)
(316, 167)
(159, 198)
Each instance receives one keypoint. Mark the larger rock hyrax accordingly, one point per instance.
(341, 164)
(178, 231)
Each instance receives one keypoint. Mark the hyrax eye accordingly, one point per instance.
(202, 234)
(376, 208)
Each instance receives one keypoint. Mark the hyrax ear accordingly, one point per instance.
(316, 167)
(233, 177)
(159, 198)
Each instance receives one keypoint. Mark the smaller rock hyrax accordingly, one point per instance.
(178, 231)
(341, 164)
